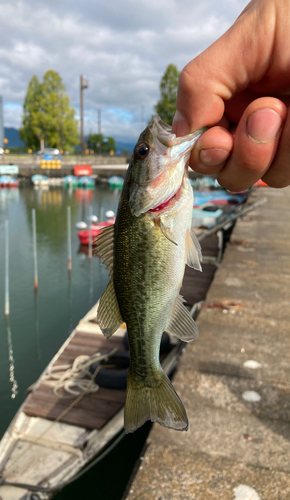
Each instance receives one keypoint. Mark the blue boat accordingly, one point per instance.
(86, 181)
(70, 181)
(116, 182)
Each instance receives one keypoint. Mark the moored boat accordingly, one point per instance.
(70, 181)
(8, 181)
(116, 182)
(39, 180)
(85, 234)
(55, 434)
(86, 181)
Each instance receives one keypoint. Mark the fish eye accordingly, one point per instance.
(141, 150)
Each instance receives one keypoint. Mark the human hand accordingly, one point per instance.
(240, 87)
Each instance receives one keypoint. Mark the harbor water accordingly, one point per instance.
(39, 323)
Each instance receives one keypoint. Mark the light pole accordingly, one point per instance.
(84, 83)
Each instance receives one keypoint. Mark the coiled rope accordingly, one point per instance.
(73, 378)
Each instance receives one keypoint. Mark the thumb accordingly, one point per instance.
(241, 56)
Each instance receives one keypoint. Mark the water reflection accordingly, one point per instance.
(70, 300)
(36, 328)
(40, 324)
(14, 388)
(7, 195)
(91, 293)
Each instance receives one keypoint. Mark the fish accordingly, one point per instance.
(145, 252)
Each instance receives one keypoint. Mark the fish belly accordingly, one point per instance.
(147, 278)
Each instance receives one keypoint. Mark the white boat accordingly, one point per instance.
(39, 453)
(39, 180)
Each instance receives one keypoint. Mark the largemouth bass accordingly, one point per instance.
(146, 251)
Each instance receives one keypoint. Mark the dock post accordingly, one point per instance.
(12, 379)
(7, 269)
(69, 239)
(90, 252)
(34, 250)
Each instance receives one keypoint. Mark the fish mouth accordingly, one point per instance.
(163, 133)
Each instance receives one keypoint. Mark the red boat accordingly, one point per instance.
(8, 181)
(84, 235)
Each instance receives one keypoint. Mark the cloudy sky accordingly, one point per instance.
(121, 46)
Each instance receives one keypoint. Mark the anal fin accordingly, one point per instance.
(181, 324)
(109, 316)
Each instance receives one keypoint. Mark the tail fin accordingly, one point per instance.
(157, 402)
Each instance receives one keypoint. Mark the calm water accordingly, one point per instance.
(39, 325)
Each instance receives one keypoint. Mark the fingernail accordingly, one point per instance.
(263, 125)
(213, 156)
(179, 125)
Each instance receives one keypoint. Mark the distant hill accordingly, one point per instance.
(14, 141)
(12, 134)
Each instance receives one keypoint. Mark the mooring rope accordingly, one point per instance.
(73, 378)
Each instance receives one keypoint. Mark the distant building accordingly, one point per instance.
(1, 122)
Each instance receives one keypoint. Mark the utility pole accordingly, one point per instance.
(1, 123)
(84, 83)
(142, 117)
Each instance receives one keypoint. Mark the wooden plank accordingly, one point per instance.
(118, 395)
(87, 337)
(94, 409)
(196, 284)
(98, 342)
(77, 416)
(90, 412)
(89, 401)
(210, 244)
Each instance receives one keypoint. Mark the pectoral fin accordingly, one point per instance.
(181, 324)
(109, 316)
(193, 251)
(166, 232)
(105, 247)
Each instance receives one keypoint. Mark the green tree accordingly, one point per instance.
(30, 133)
(47, 114)
(166, 106)
(106, 143)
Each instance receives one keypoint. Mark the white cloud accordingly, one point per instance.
(122, 46)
